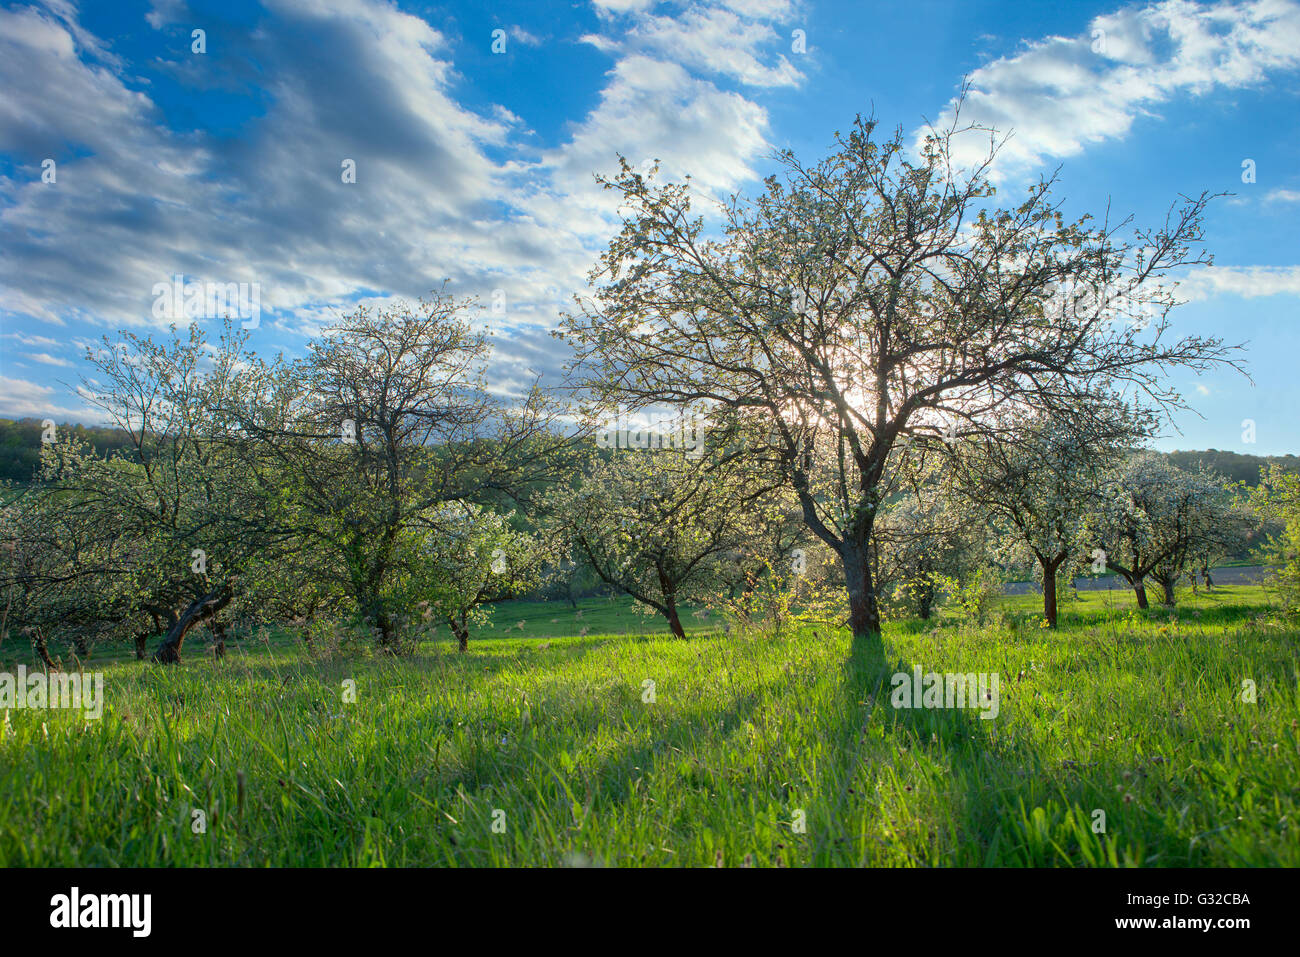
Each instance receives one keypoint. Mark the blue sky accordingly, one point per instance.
(476, 166)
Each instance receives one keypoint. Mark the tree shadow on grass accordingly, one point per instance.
(689, 745)
(909, 786)
(944, 786)
(1208, 608)
(1000, 797)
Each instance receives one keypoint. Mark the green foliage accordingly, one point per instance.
(1234, 466)
(1159, 521)
(1278, 497)
(780, 595)
(923, 545)
(254, 491)
(20, 444)
(666, 527)
(467, 558)
(973, 597)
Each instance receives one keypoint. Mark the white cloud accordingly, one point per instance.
(662, 102)
(608, 7)
(363, 81)
(20, 398)
(142, 198)
(268, 207)
(1249, 282)
(44, 358)
(162, 12)
(26, 340)
(1282, 196)
(521, 35)
(717, 40)
(1061, 94)
(656, 110)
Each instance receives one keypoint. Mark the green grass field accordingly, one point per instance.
(540, 748)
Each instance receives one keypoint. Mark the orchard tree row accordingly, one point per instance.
(907, 390)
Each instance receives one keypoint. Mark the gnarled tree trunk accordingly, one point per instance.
(1134, 579)
(42, 650)
(674, 621)
(461, 630)
(1167, 583)
(198, 611)
(668, 588)
(219, 639)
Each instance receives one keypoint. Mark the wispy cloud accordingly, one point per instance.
(1282, 196)
(21, 398)
(1249, 282)
(1060, 94)
(44, 358)
(442, 190)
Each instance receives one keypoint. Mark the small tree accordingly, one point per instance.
(1041, 487)
(1156, 518)
(169, 526)
(1220, 526)
(387, 418)
(52, 586)
(925, 544)
(659, 525)
(470, 558)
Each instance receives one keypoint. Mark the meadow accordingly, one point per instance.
(547, 747)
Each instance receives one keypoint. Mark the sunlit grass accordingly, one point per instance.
(1131, 715)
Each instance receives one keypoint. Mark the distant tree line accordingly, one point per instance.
(20, 452)
(20, 444)
(1235, 466)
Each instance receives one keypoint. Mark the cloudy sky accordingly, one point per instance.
(473, 130)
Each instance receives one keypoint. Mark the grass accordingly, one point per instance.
(551, 739)
(588, 617)
(592, 616)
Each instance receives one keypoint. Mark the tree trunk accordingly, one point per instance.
(674, 622)
(366, 581)
(668, 589)
(376, 617)
(925, 603)
(1168, 585)
(142, 639)
(1205, 573)
(1049, 567)
(42, 651)
(1134, 579)
(864, 611)
(219, 645)
(461, 630)
(197, 612)
(925, 596)
(387, 633)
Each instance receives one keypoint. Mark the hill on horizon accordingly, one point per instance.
(20, 451)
